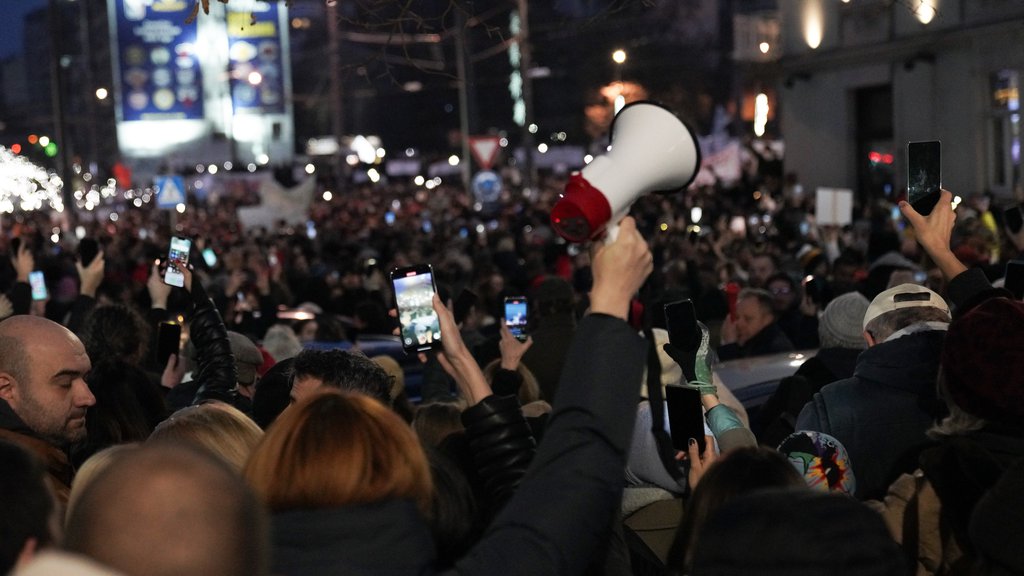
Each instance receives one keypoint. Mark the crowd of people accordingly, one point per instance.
(280, 440)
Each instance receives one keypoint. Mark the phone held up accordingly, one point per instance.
(414, 290)
(924, 175)
(177, 259)
(88, 248)
(515, 316)
(685, 412)
(168, 341)
(38, 283)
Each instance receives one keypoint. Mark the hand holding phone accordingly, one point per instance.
(414, 290)
(685, 417)
(88, 248)
(177, 259)
(924, 175)
(168, 341)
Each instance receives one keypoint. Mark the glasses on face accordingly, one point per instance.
(781, 291)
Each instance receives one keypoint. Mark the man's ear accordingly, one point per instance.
(869, 339)
(8, 387)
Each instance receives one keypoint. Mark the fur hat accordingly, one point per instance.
(821, 459)
(840, 323)
(983, 360)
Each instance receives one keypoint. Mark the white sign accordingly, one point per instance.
(833, 206)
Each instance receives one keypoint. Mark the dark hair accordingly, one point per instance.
(373, 317)
(738, 472)
(345, 370)
(454, 520)
(434, 421)
(26, 501)
(128, 406)
(764, 299)
(115, 331)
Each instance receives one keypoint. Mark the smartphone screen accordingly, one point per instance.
(1014, 278)
(414, 290)
(38, 283)
(515, 316)
(88, 248)
(924, 175)
(685, 417)
(1013, 217)
(210, 257)
(168, 340)
(177, 258)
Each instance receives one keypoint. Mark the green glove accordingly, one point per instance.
(696, 364)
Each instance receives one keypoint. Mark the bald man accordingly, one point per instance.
(43, 394)
(168, 509)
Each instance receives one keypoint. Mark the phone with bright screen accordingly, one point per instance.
(177, 259)
(414, 291)
(924, 175)
(168, 341)
(210, 257)
(38, 283)
(515, 316)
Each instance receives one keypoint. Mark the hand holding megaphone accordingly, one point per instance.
(652, 150)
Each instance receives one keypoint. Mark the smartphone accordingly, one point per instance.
(463, 304)
(168, 340)
(515, 316)
(685, 417)
(414, 290)
(15, 246)
(88, 248)
(177, 259)
(1013, 280)
(210, 257)
(924, 175)
(814, 287)
(1013, 218)
(38, 283)
(681, 323)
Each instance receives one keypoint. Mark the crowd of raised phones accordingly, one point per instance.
(291, 435)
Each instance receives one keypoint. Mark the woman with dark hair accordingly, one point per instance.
(738, 472)
(128, 407)
(116, 331)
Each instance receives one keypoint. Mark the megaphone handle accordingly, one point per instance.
(611, 232)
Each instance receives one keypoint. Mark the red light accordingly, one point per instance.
(32, 138)
(887, 159)
(16, 148)
(874, 157)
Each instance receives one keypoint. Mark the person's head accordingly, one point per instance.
(167, 509)
(454, 520)
(785, 293)
(840, 325)
(821, 459)
(91, 468)
(341, 369)
(900, 307)
(761, 267)
(982, 362)
(248, 360)
(335, 449)
(434, 421)
(281, 342)
(551, 296)
(306, 330)
(128, 406)
(754, 312)
(28, 522)
(116, 331)
(272, 394)
(218, 428)
(42, 377)
(796, 532)
(737, 472)
(529, 390)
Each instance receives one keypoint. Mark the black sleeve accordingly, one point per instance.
(502, 446)
(506, 382)
(566, 502)
(215, 364)
(970, 288)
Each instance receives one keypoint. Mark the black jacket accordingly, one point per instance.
(768, 341)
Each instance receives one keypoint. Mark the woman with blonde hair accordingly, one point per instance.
(215, 427)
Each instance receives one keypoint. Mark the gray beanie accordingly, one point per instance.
(840, 323)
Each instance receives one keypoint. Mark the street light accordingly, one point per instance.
(101, 93)
(619, 56)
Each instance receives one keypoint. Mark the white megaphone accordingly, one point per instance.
(652, 151)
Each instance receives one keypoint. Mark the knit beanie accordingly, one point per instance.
(840, 323)
(983, 360)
